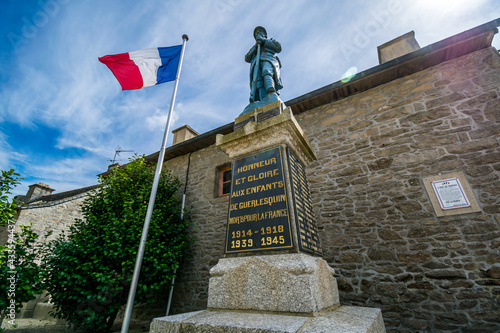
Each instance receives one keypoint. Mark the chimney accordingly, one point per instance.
(115, 165)
(183, 133)
(36, 191)
(397, 47)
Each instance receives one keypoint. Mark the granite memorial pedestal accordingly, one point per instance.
(272, 278)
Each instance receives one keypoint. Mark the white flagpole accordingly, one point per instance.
(149, 213)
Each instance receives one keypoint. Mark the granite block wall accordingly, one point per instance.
(377, 226)
(209, 213)
(56, 217)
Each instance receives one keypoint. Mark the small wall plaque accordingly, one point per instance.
(451, 194)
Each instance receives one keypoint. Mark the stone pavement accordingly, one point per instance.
(31, 325)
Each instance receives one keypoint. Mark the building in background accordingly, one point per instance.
(49, 212)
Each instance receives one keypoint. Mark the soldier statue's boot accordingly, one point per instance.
(269, 84)
(262, 93)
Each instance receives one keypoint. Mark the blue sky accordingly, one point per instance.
(62, 113)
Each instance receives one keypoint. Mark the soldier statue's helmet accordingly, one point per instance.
(261, 29)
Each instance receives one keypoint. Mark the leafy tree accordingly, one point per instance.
(89, 271)
(20, 276)
(8, 209)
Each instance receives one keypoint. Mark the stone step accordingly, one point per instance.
(41, 312)
(344, 319)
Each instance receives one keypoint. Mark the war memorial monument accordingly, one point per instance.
(273, 277)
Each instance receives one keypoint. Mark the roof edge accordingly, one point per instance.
(58, 197)
(400, 61)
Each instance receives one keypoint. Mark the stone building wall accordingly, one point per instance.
(377, 226)
(209, 213)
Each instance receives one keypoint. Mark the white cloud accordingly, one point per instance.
(158, 120)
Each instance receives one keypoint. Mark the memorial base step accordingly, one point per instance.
(345, 319)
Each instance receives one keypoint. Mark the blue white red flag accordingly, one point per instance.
(144, 68)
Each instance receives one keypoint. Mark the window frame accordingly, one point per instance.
(221, 171)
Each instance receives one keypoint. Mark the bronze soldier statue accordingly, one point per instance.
(265, 80)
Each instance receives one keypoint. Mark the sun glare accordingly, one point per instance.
(349, 74)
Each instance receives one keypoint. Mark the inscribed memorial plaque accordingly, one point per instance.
(450, 193)
(241, 124)
(308, 237)
(258, 217)
(268, 114)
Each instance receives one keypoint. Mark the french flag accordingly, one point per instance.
(144, 68)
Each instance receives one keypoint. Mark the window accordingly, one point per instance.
(224, 181)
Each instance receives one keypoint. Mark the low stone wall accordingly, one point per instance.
(56, 217)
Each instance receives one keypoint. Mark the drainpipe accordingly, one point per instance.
(182, 217)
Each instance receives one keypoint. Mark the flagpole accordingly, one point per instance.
(149, 213)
